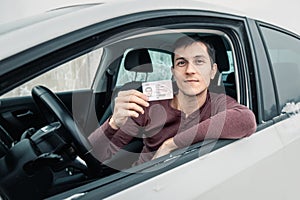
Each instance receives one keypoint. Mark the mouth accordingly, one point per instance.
(191, 81)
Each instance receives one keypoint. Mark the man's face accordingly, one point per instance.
(148, 91)
(193, 69)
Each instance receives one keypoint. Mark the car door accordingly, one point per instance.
(263, 166)
(258, 167)
(283, 50)
(185, 166)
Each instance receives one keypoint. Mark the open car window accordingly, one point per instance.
(116, 75)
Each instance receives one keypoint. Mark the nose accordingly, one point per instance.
(190, 69)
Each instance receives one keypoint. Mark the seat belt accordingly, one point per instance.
(109, 76)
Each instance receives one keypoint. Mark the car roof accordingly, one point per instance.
(26, 33)
(38, 18)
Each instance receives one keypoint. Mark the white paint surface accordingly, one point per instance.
(282, 13)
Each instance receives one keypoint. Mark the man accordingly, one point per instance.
(148, 91)
(194, 114)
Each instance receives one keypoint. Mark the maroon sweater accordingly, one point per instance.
(220, 117)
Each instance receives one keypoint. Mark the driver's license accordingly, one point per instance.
(158, 90)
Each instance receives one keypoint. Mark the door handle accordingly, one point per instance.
(24, 114)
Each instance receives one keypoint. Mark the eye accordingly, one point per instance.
(199, 61)
(180, 63)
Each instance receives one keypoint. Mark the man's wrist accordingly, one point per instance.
(171, 144)
(112, 124)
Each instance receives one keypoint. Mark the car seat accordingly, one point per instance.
(230, 85)
(222, 61)
(138, 61)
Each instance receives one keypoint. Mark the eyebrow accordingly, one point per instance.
(197, 56)
(180, 58)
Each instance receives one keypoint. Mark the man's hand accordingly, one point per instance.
(165, 148)
(128, 103)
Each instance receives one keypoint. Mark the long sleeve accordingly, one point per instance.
(100, 139)
(106, 141)
(220, 117)
(228, 120)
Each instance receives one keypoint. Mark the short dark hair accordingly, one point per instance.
(188, 40)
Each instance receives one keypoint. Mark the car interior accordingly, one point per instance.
(125, 64)
(139, 61)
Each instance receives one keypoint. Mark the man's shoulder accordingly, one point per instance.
(220, 97)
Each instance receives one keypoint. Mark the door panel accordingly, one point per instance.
(226, 173)
(18, 114)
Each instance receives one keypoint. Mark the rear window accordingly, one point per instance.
(284, 51)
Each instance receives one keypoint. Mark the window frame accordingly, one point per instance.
(280, 116)
(241, 74)
(124, 180)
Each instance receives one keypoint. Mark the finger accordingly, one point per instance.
(128, 106)
(123, 113)
(132, 99)
(134, 107)
(134, 93)
(132, 113)
(129, 113)
(138, 100)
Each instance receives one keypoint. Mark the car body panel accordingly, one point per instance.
(208, 176)
(242, 170)
(93, 15)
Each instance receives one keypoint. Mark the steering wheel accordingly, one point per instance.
(48, 102)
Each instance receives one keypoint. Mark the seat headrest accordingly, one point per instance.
(138, 60)
(230, 78)
(221, 54)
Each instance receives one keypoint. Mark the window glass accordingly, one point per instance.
(284, 52)
(161, 63)
(231, 66)
(75, 74)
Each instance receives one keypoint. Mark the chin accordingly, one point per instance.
(193, 93)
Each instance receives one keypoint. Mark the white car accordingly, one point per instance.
(60, 70)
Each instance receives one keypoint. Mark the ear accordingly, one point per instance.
(213, 71)
(172, 71)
